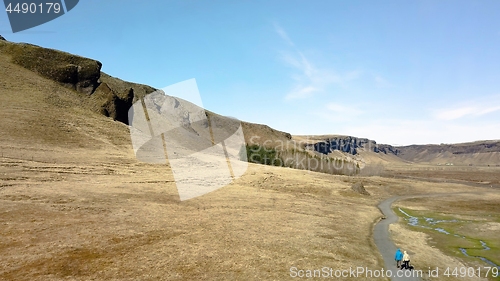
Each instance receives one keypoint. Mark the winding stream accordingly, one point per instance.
(414, 221)
(387, 247)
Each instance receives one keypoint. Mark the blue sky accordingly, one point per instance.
(398, 72)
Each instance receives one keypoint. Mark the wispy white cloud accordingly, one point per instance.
(488, 110)
(453, 124)
(283, 34)
(301, 92)
(382, 123)
(474, 109)
(465, 121)
(405, 132)
(343, 109)
(309, 79)
(382, 82)
(455, 113)
(337, 113)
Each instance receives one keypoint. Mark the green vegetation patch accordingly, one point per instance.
(471, 235)
(261, 155)
(298, 159)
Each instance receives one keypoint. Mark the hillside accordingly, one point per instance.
(90, 90)
(474, 153)
(92, 93)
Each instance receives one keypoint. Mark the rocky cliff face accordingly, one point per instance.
(351, 145)
(78, 73)
(474, 153)
(109, 96)
(112, 103)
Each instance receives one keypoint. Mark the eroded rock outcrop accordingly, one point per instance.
(113, 104)
(79, 73)
(359, 188)
(351, 145)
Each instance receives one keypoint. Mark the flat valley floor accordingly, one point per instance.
(94, 214)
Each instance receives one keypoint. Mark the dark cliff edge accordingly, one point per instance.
(110, 96)
(473, 153)
(351, 145)
(75, 72)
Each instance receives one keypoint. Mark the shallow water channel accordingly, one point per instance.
(433, 224)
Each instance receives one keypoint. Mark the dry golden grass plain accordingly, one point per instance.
(100, 215)
(110, 219)
(75, 204)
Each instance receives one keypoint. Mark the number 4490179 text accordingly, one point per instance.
(33, 8)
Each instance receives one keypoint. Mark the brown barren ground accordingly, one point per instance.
(75, 204)
(111, 221)
(101, 215)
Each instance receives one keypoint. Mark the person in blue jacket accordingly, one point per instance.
(398, 257)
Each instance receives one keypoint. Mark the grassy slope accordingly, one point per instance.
(74, 203)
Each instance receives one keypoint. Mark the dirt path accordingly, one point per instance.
(382, 238)
(384, 243)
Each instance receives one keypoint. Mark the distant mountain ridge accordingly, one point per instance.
(473, 153)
